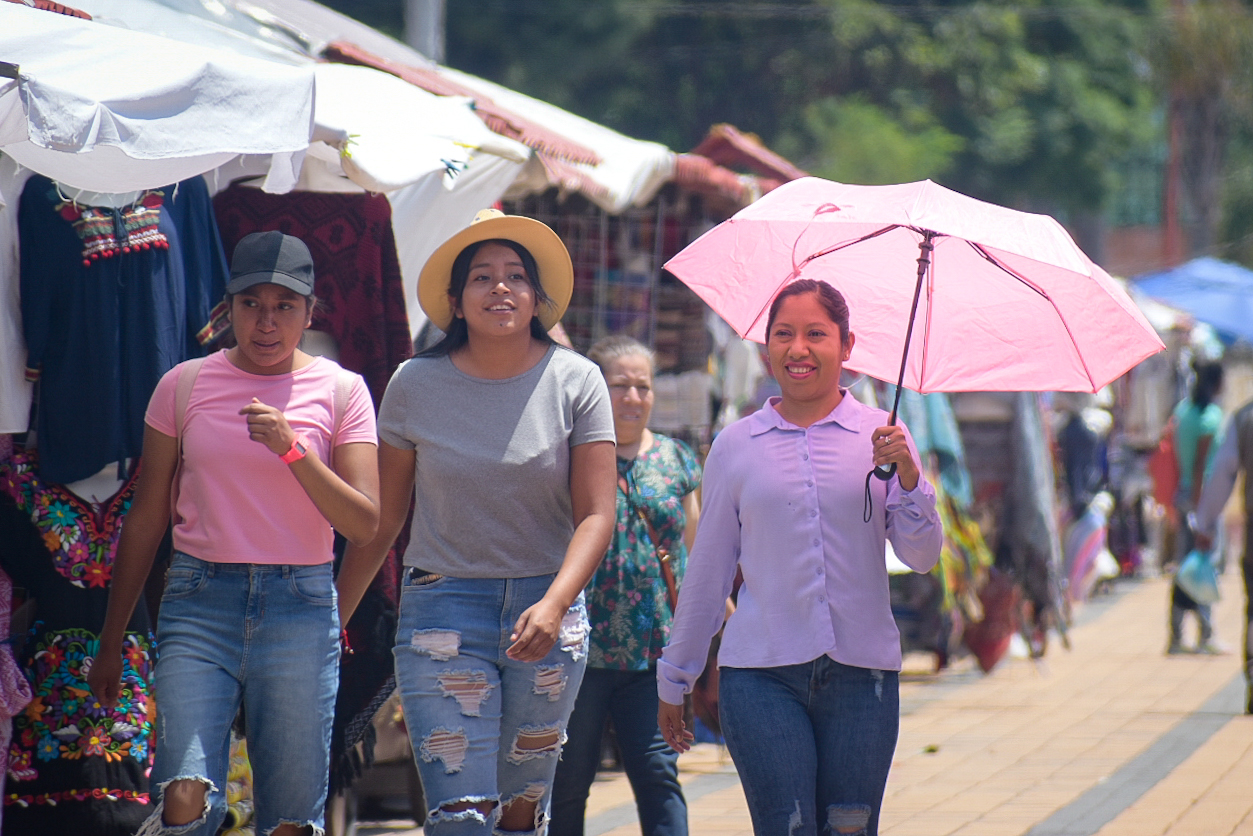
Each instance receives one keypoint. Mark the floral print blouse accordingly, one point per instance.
(626, 598)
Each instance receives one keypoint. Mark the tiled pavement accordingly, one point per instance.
(1110, 737)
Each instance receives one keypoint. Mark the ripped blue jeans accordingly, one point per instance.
(264, 636)
(484, 728)
(813, 744)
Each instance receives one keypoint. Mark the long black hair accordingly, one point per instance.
(1209, 379)
(458, 333)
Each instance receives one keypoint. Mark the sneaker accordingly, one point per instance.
(1175, 649)
(1213, 648)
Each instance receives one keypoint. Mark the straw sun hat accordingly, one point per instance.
(556, 273)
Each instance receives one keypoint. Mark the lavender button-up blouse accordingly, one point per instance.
(786, 504)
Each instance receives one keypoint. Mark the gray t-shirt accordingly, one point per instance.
(492, 472)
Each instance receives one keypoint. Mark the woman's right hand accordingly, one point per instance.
(673, 729)
(105, 677)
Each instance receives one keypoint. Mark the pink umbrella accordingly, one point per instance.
(993, 299)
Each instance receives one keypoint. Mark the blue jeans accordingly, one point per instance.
(811, 740)
(630, 698)
(484, 727)
(263, 635)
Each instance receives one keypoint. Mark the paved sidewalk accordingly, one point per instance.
(1110, 737)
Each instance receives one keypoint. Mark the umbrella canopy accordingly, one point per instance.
(102, 108)
(1218, 293)
(1005, 300)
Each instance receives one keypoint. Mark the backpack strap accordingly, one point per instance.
(187, 374)
(344, 382)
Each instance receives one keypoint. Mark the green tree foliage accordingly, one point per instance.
(1022, 103)
(1203, 56)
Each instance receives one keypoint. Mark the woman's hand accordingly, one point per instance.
(104, 678)
(267, 425)
(673, 729)
(536, 631)
(890, 447)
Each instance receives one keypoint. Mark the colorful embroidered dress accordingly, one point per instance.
(626, 598)
(74, 766)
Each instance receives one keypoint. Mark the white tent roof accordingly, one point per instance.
(631, 170)
(106, 109)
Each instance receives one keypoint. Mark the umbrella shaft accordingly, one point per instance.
(925, 246)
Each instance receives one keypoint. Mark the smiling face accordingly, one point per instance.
(498, 299)
(807, 354)
(268, 321)
(630, 381)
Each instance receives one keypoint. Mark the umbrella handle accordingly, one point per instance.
(885, 473)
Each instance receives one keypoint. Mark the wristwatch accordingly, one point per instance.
(299, 447)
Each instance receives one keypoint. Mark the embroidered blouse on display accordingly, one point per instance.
(74, 767)
(111, 301)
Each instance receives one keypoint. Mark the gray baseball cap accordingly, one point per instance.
(271, 258)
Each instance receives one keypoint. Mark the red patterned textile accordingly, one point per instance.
(361, 302)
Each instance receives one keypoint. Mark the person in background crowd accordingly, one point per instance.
(505, 442)
(1235, 454)
(630, 603)
(1197, 420)
(259, 455)
(809, 661)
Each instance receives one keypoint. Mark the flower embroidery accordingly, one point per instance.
(82, 539)
(64, 720)
(626, 598)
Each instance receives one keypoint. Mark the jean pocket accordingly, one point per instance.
(184, 578)
(314, 584)
(419, 579)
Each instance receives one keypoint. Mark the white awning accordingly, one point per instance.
(107, 109)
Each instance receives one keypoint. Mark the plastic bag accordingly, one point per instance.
(1198, 577)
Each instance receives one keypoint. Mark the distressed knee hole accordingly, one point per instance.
(574, 632)
(468, 688)
(184, 806)
(536, 742)
(550, 681)
(446, 745)
(440, 645)
(523, 812)
(795, 822)
(848, 819)
(294, 828)
(475, 808)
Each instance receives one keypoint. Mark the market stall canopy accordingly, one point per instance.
(371, 132)
(102, 108)
(630, 173)
(1215, 292)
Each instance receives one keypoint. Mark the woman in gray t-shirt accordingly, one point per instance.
(506, 442)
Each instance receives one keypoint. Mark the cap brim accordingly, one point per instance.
(247, 280)
(556, 272)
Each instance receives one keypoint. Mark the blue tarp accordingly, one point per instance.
(1215, 292)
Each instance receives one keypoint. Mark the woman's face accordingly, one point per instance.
(498, 299)
(806, 349)
(630, 381)
(268, 321)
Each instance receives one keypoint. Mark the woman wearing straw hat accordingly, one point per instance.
(506, 442)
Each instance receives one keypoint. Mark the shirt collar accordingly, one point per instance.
(845, 415)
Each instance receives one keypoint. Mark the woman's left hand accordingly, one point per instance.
(536, 631)
(890, 447)
(267, 425)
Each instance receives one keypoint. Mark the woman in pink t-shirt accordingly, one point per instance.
(259, 451)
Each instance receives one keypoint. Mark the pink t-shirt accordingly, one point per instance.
(238, 502)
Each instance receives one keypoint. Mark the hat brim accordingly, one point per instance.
(247, 280)
(556, 272)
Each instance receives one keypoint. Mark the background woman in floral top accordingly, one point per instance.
(629, 607)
